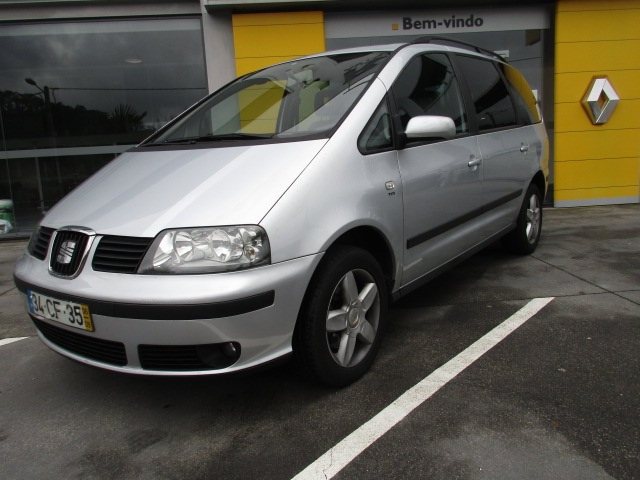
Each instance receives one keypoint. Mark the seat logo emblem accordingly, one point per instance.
(65, 253)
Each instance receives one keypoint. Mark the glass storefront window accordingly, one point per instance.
(74, 95)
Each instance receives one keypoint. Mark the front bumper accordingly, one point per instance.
(173, 316)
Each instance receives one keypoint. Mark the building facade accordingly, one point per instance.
(82, 81)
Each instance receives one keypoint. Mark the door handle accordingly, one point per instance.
(474, 162)
(524, 148)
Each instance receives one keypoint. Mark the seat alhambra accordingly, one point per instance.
(280, 215)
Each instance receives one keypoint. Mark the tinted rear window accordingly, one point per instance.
(491, 100)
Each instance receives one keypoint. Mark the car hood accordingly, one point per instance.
(142, 193)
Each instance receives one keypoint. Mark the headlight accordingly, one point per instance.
(207, 250)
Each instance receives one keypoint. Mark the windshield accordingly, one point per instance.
(298, 98)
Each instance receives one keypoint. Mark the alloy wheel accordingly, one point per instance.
(352, 318)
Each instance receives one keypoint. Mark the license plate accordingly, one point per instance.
(67, 313)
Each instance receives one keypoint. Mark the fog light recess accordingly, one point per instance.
(219, 355)
(185, 358)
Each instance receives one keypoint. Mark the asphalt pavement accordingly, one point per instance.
(13, 319)
(559, 398)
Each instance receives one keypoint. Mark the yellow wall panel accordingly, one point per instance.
(571, 87)
(601, 173)
(597, 163)
(592, 145)
(572, 117)
(584, 5)
(285, 18)
(578, 27)
(598, 56)
(278, 40)
(261, 39)
(587, 194)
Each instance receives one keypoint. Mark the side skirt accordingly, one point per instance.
(427, 277)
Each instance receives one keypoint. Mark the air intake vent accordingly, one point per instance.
(69, 252)
(39, 243)
(97, 349)
(120, 254)
(185, 358)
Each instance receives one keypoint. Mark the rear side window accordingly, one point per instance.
(491, 100)
(526, 103)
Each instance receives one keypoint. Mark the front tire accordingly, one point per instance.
(342, 318)
(524, 239)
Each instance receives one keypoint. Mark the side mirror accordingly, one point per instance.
(430, 126)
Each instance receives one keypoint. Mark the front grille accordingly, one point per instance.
(104, 351)
(185, 358)
(39, 243)
(120, 254)
(68, 253)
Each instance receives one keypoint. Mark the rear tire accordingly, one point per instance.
(524, 239)
(342, 318)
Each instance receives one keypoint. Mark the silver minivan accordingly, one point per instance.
(283, 212)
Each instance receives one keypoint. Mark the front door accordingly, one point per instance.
(442, 179)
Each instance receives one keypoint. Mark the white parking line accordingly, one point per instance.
(7, 341)
(339, 456)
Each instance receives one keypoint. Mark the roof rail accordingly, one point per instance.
(445, 40)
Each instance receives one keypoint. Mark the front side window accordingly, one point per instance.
(428, 86)
(295, 99)
(493, 106)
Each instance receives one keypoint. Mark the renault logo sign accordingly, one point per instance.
(600, 100)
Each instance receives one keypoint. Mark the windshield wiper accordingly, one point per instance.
(214, 138)
(235, 136)
(182, 141)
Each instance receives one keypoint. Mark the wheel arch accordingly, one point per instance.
(358, 248)
(539, 181)
(373, 241)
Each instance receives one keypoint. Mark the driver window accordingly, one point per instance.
(428, 86)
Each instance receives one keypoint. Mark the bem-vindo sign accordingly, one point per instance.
(434, 22)
(452, 22)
